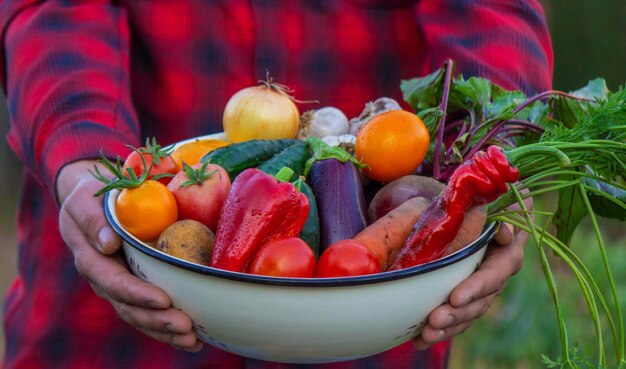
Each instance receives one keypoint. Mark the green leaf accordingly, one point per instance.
(474, 93)
(431, 118)
(603, 206)
(457, 146)
(569, 111)
(506, 102)
(423, 92)
(570, 211)
(596, 89)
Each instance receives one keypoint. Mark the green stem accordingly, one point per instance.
(284, 175)
(607, 267)
(523, 152)
(587, 287)
(606, 196)
(549, 277)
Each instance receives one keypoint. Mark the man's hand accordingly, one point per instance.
(94, 245)
(473, 297)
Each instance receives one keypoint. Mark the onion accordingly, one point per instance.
(261, 112)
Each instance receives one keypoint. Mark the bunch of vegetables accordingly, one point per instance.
(330, 197)
(572, 144)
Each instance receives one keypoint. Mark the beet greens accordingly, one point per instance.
(572, 143)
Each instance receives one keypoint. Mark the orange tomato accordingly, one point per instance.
(392, 144)
(192, 152)
(145, 211)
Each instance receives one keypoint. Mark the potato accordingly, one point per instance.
(188, 240)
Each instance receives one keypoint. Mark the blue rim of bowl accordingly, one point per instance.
(483, 240)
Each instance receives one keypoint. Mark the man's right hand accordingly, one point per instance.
(94, 245)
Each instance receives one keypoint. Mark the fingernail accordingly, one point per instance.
(176, 342)
(103, 237)
(510, 228)
(170, 328)
(449, 320)
(155, 304)
(466, 300)
(440, 335)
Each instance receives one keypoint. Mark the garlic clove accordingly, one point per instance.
(327, 121)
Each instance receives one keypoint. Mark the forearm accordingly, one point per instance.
(67, 84)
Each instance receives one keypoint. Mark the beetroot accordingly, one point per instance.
(396, 192)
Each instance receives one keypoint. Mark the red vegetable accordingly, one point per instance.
(289, 257)
(346, 258)
(478, 181)
(395, 193)
(200, 192)
(259, 209)
(156, 158)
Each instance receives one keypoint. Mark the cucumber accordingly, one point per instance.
(294, 157)
(311, 231)
(237, 157)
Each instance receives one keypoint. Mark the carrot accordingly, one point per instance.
(385, 237)
(471, 228)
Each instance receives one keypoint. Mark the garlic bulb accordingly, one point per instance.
(372, 109)
(346, 141)
(327, 121)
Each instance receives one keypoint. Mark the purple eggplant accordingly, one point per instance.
(340, 200)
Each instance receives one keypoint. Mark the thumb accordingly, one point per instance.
(87, 212)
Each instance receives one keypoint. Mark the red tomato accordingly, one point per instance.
(346, 258)
(203, 200)
(166, 165)
(289, 257)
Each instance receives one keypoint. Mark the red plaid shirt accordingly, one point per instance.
(80, 75)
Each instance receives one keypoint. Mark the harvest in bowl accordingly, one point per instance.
(301, 320)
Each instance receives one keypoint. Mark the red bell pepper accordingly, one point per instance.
(258, 209)
(478, 181)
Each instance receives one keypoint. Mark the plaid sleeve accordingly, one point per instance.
(505, 41)
(65, 71)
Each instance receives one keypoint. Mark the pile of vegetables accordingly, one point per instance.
(318, 195)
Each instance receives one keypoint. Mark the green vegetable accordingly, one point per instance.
(311, 231)
(573, 144)
(294, 157)
(243, 155)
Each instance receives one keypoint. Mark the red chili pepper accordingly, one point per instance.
(258, 209)
(478, 181)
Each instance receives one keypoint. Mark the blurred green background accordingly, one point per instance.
(589, 40)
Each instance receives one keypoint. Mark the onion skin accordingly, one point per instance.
(260, 112)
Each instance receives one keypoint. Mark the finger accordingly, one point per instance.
(446, 315)
(432, 335)
(504, 236)
(187, 341)
(88, 213)
(165, 321)
(420, 344)
(108, 275)
(499, 265)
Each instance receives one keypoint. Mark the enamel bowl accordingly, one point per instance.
(300, 320)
